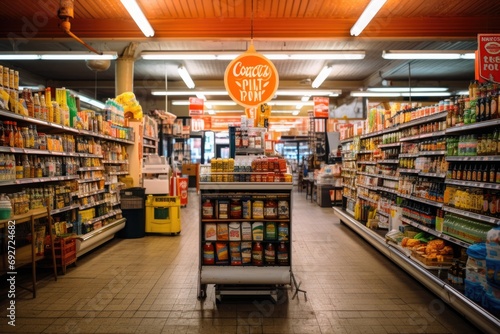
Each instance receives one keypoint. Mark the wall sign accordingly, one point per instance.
(488, 57)
(251, 79)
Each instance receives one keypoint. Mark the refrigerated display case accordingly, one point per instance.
(208, 147)
(294, 150)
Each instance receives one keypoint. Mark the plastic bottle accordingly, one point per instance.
(283, 256)
(208, 253)
(257, 254)
(270, 254)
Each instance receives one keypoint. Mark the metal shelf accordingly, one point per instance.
(468, 127)
(368, 199)
(434, 232)
(487, 219)
(424, 135)
(388, 161)
(422, 200)
(474, 158)
(425, 119)
(389, 145)
(484, 185)
(374, 188)
(425, 153)
(389, 190)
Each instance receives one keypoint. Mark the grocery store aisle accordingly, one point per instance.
(149, 285)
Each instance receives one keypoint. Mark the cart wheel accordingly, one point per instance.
(203, 291)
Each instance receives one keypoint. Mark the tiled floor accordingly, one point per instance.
(149, 285)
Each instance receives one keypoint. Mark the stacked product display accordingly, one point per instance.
(430, 175)
(245, 228)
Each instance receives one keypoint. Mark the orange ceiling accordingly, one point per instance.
(262, 19)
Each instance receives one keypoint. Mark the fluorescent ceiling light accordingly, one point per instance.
(305, 98)
(88, 100)
(289, 103)
(140, 19)
(323, 74)
(188, 92)
(463, 92)
(308, 92)
(49, 55)
(282, 111)
(211, 102)
(428, 54)
(424, 94)
(186, 77)
(406, 89)
(396, 94)
(32, 88)
(18, 56)
(296, 112)
(370, 11)
(279, 92)
(201, 96)
(273, 55)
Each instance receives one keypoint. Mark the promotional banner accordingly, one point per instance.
(196, 106)
(321, 106)
(251, 79)
(488, 60)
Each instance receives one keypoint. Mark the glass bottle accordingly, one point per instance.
(26, 167)
(19, 168)
(43, 108)
(37, 107)
(18, 137)
(2, 134)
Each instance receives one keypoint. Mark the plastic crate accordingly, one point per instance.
(64, 250)
(127, 203)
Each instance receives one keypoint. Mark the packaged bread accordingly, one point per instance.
(246, 252)
(235, 253)
(210, 231)
(222, 231)
(221, 252)
(246, 231)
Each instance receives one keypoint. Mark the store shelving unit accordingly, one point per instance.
(413, 146)
(350, 147)
(85, 178)
(244, 279)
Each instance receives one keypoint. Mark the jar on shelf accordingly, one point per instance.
(271, 209)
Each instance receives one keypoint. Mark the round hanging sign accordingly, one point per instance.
(251, 79)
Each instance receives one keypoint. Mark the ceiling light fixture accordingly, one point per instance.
(428, 54)
(308, 92)
(207, 103)
(186, 77)
(399, 94)
(188, 92)
(323, 74)
(49, 55)
(140, 19)
(273, 55)
(279, 92)
(406, 89)
(370, 11)
(88, 100)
